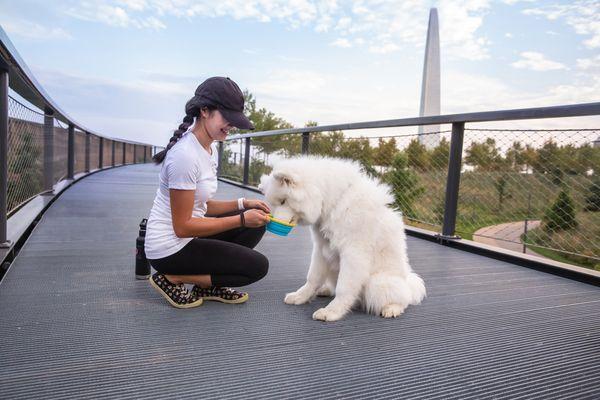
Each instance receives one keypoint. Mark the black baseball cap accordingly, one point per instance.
(225, 95)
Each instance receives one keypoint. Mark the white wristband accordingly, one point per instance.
(241, 203)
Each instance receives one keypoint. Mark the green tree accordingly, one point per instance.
(561, 215)
(405, 185)
(592, 200)
(515, 157)
(484, 156)
(384, 153)
(417, 155)
(440, 155)
(501, 184)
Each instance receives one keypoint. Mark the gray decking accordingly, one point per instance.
(74, 323)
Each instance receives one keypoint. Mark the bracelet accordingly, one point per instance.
(243, 219)
(241, 203)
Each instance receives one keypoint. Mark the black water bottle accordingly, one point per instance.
(142, 266)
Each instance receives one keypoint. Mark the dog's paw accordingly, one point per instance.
(325, 291)
(295, 298)
(324, 314)
(392, 310)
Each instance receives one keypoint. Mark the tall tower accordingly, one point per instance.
(430, 89)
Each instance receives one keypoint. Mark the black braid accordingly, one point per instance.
(188, 120)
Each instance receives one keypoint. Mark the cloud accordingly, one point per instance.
(581, 15)
(537, 62)
(33, 30)
(402, 23)
(589, 64)
(509, 35)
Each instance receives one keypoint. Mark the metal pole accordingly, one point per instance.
(48, 150)
(124, 153)
(134, 154)
(101, 153)
(220, 159)
(113, 153)
(305, 142)
(145, 151)
(71, 152)
(247, 161)
(4, 242)
(87, 152)
(453, 181)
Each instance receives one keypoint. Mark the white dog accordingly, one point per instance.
(359, 244)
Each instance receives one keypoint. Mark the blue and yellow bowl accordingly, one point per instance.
(279, 227)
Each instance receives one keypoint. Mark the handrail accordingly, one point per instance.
(574, 110)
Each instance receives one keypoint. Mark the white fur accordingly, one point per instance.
(359, 244)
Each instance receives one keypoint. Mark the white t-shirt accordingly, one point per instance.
(187, 166)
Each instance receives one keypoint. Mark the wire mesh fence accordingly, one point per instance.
(27, 141)
(25, 153)
(536, 191)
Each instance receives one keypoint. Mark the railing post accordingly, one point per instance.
(124, 153)
(145, 151)
(113, 153)
(305, 142)
(87, 152)
(4, 242)
(220, 158)
(48, 150)
(71, 153)
(101, 153)
(453, 181)
(247, 161)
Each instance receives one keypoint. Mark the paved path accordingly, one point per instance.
(507, 235)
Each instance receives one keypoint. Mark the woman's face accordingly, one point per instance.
(216, 126)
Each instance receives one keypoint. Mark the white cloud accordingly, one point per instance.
(341, 42)
(405, 22)
(537, 62)
(508, 35)
(582, 15)
(589, 64)
(33, 30)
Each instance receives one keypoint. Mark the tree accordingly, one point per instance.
(417, 154)
(384, 153)
(515, 157)
(561, 215)
(484, 156)
(501, 188)
(405, 185)
(440, 155)
(592, 200)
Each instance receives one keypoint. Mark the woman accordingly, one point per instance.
(191, 238)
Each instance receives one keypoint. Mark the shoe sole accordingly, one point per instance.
(170, 300)
(241, 300)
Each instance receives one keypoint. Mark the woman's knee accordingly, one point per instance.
(261, 266)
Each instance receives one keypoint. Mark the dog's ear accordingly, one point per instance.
(285, 178)
(264, 183)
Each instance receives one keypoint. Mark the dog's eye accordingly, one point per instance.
(282, 202)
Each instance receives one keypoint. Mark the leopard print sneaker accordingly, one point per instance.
(222, 294)
(177, 295)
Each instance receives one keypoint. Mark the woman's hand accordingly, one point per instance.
(255, 218)
(258, 204)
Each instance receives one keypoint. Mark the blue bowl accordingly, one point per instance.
(279, 227)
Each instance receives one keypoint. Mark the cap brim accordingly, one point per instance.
(236, 118)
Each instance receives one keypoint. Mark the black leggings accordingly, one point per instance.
(228, 257)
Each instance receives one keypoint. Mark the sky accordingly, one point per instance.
(125, 68)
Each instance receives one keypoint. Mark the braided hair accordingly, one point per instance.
(188, 120)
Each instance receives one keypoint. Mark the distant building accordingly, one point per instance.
(596, 143)
(430, 90)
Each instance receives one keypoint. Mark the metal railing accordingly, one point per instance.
(535, 191)
(40, 145)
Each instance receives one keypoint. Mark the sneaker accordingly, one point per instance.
(177, 295)
(222, 294)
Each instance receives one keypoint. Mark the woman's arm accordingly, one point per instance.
(184, 225)
(218, 207)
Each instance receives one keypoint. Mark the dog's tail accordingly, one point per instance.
(383, 289)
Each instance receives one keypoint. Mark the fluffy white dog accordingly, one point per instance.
(359, 245)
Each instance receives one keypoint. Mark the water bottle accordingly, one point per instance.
(142, 266)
